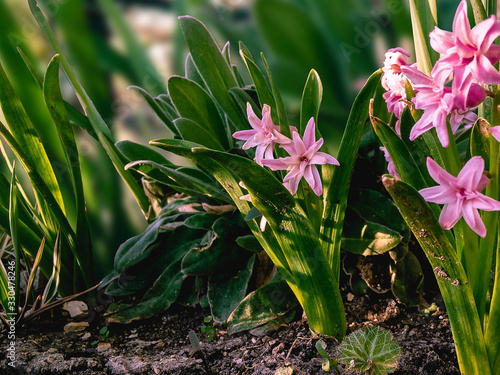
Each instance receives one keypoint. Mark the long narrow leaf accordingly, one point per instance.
(55, 103)
(336, 180)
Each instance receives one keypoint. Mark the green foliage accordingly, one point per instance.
(185, 244)
(372, 350)
(328, 362)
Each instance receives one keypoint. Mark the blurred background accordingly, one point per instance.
(112, 44)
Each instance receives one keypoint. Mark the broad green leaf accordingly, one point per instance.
(193, 102)
(408, 281)
(138, 247)
(375, 207)
(258, 79)
(311, 100)
(227, 289)
(203, 220)
(257, 307)
(369, 238)
(135, 151)
(181, 178)
(194, 132)
(250, 243)
(450, 275)
(336, 180)
(212, 67)
(162, 115)
(371, 349)
(217, 253)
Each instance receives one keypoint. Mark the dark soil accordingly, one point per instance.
(161, 345)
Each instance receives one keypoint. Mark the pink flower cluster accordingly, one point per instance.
(467, 59)
(393, 81)
(304, 152)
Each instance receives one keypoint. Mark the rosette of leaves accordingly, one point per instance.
(371, 350)
(191, 253)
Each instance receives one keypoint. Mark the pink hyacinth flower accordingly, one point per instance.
(304, 155)
(264, 134)
(439, 102)
(469, 54)
(460, 195)
(393, 80)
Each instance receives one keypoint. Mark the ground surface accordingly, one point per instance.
(161, 345)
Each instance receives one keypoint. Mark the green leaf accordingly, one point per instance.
(423, 20)
(28, 147)
(263, 92)
(369, 238)
(408, 281)
(101, 129)
(212, 67)
(336, 180)
(311, 100)
(191, 72)
(217, 252)
(82, 249)
(403, 160)
(371, 349)
(201, 221)
(137, 248)
(375, 207)
(249, 243)
(193, 102)
(135, 151)
(193, 183)
(280, 106)
(226, 290)
(194, 132)
(257, 307)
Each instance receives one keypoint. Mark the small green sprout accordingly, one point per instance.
(103, 336)
(328, 362)
(208, 329)
(372, 350)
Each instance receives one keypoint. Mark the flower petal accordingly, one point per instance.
(310, 133)
(473, 219)
(438, 194)
(450, 214)
(438, 174)
(471, 173)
